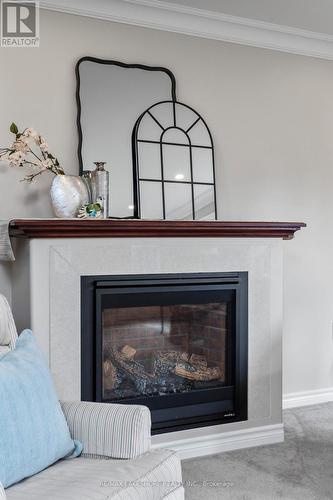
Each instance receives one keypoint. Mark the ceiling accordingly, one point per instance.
(312, 15)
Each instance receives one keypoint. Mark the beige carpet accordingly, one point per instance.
(300, 468)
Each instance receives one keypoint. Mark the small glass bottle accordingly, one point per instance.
(100, 186)
(86, 176)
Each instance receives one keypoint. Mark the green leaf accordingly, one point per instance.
(13, 128)
(93, 206)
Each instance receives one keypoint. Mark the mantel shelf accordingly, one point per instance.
(125, 228)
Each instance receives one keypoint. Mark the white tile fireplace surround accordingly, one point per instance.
(48, 270)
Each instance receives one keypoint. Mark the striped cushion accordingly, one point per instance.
(2, 493)
(153, 476)
(8, 332)
(109, 430)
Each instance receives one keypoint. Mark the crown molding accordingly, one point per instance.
(157, 14)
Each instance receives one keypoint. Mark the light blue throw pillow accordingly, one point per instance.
(34, 432)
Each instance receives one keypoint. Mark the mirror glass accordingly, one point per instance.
(111, 96)
(176, 162)
(178, 201)
(151, 200)
(204, 202)
(149, 157)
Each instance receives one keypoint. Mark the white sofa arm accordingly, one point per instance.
(109, 430)
(2, 493)
(8, 332)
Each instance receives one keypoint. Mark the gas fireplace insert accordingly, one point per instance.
(176, 343)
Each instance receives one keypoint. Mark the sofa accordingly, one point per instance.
(117, 461)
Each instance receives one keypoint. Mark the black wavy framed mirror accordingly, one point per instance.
(110, 96)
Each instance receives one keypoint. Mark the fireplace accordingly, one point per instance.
(176, 343)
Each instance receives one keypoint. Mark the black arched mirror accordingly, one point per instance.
(173, 164)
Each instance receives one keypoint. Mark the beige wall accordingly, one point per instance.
(271, 115)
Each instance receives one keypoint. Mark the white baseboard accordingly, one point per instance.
(224, 441)
(210, 444)
(305, 398)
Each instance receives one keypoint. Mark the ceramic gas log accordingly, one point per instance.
(171, 372)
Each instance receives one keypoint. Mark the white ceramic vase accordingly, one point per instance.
(68, 194)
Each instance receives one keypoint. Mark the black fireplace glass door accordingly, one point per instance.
(156, 350)
(176, 343)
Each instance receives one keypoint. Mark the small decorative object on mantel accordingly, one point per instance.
(100, 186)
(90, 210)
(68, 194)
(29, 149)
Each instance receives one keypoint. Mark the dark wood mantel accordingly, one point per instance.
(124, 228)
